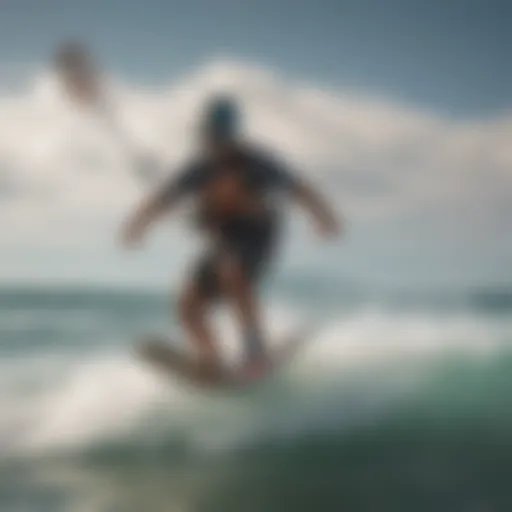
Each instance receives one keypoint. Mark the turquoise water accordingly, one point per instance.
(400, 403)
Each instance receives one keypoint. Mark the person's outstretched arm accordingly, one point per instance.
(157, 205)
(146, 214)
(306, 196)
(311, 200)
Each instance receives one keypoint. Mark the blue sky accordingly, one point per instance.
(450, 56)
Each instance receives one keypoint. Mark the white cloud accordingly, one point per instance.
(62, 176)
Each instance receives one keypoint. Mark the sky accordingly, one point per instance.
(399, 110)
(449, 55)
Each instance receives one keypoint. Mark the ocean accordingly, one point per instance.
(400, 402)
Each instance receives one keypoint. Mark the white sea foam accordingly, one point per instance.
(61, 402)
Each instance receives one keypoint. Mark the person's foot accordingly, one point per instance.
(208, 369)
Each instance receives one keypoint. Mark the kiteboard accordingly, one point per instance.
(166, 356)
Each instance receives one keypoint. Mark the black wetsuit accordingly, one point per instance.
(248, 235)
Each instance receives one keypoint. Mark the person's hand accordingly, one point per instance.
(329, 229)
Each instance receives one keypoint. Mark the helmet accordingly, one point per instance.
(71, 55)
(221, 118)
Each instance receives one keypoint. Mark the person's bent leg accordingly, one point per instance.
(246, 256)
(239, 288)
(194, 309)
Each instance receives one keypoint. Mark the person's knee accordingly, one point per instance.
(232, 276)
(190, 309)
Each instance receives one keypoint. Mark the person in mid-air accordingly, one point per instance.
(237, 189)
